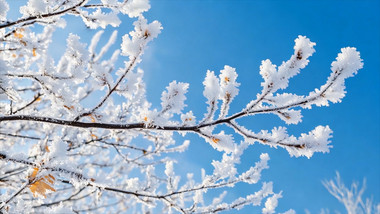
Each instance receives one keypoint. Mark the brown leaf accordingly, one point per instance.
(68, 107)
(215, 140)
(41, 185)
(18, 35)
(94, 136)
(92, 118)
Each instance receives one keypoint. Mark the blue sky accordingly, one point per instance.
(201, 35)
(204, 34)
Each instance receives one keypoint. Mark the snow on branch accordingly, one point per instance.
(79, 130)
(351, 198)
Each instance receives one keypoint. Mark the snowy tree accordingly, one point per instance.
(62, 152)
(352, 198)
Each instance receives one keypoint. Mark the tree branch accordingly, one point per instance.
(46, 15)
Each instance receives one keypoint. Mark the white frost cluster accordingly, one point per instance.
(4, 7)
(346, 65)
(271, 204)
(133, 8)
(5, 91)
(222, 142)
(348, 62)
(92, 18)
(228, 88)
(228, 84)
(169, 169)
(316, 140)
(100, 19)
(188, 119)
(279, 79)
(73, 62)
(134, 84)
(173, 100)
(59, 209)
(34, 8)
(225, 168)
(253, 175)
(58, 149)
(212, 88)
(142, 34)
(224, 88)
(173, 180)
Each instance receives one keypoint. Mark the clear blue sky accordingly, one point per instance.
(203, 34)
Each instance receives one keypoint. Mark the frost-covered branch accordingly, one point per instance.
(116, 153)
(351, 198)
(39, 14)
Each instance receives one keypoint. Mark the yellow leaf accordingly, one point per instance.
(34, 52)
(18, 35)
(47, 148)
(94, 136)
(52, 177)
(215, 140)
(145, 118)
(34, 173)
(41, 185)
(92, 118)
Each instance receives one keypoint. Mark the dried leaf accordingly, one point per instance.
(215, 140)
(23, 42)
(18, 35)
(41, 185)
(34, 173)
(92, 118)
(68, 107)
(47, 148)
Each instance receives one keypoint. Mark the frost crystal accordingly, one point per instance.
(4, 7)
(143, 33)
(173, 100)
(34, 7)
(271, 204)
(134, 7)
(212, 88)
